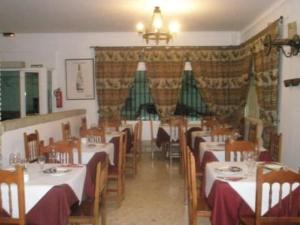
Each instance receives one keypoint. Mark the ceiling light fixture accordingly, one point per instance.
(157, 32)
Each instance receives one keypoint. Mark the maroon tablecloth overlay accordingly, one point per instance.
(227, 205)
(188, 135)
(162, 137)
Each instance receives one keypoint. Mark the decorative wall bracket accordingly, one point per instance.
(292, 82)
(293, 43)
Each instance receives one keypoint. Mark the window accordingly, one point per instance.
(190, 103)
(139, 103)
(24, 92)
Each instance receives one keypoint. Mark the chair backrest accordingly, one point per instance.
(234, 149)
(31, 146)
(12, 183)
(59, 152)
(193, 197)
(152, 130)
(83, 126)
(139, 136)
(252, 132)
(275, 146)
(66, 130)
(120, 161)
(221, 134)
(183, 150)
(94, 135)
(100, 187)
(83, 123)
(281, 183)
(210, 124)
(175, 123)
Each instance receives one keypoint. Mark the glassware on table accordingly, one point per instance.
(41, 161)
(14, 159)
(250, 159)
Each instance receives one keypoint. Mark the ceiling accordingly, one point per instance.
(43, 16)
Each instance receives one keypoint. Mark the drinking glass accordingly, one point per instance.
(14, 159)
(250, 159)
(41, 161)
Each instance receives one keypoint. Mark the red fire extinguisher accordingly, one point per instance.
(58, 97)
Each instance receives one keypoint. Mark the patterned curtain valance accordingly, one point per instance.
(221, 73)
(167, 54)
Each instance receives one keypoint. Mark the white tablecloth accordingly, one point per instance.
(111, 135)
(40, 183)
(218, 149)
(245, 187)
(173, 133)
(88, 151)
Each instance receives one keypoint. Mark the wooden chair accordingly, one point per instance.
(139, 139)
(175, 124)
(280, 177)
(89, 210)
(116, 173)
(83, 126)
(31, 146)
(197, 205)
(234, 149)
(59, 152)
(66, 130)
(153, 139)
(94, 135)
(10, 179)
(221, 134)
(131, 157)
(252, 133)
(112, 124)
(209, 123)
(275, 146)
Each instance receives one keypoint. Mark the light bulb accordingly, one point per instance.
(174, 27)
(140, 27)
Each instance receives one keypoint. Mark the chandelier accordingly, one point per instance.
(156, 32)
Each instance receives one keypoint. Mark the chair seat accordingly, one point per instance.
(248, 220)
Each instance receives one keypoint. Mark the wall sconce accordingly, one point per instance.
(279, 44)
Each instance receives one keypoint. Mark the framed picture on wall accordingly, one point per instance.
(80, 83)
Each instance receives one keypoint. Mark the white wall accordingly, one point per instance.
(51, 50)
(13, 141)
(289, 106)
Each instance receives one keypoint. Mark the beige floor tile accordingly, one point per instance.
(153, 197)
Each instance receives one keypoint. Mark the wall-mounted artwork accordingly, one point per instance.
(80, 79)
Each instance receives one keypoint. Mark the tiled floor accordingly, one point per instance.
(153, 197)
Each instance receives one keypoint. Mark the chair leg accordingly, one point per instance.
(120, 191)
(103, 208)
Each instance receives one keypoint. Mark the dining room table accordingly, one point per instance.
(50, 191)
(215, 151)
(230, 189)
(165, 133)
